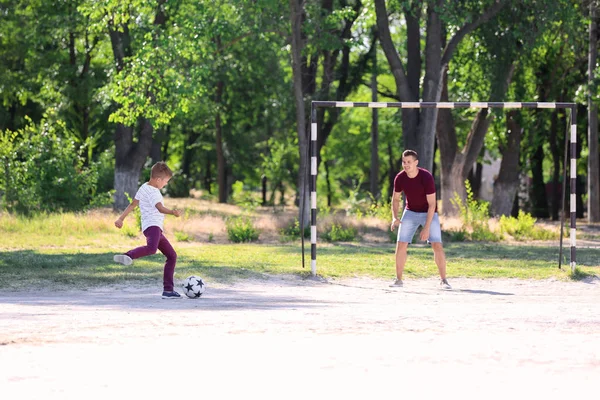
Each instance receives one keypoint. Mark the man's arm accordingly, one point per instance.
(431, 202)
(130, 207)
(395, 208)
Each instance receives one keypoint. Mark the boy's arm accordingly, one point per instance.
(130, 207)
(165, 210)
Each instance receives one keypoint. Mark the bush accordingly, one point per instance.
(41, 171)
(338, 233)
(292, 231)
(179, 185)
(243, 197)
(240, 229)
(523, 228)
(182, 236)
(474, 216)
(381, 211)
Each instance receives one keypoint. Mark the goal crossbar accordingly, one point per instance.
(477, 105)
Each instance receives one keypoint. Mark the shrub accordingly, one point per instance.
(381, 211)
(243, 197)
(240, 229)
(456, 235)
(179, 185)
(292, 231)
(42, 171)
(182, 236)
(474, 216)
(338, 233)
(523, 227)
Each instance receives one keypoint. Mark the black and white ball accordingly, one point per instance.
(193, 287)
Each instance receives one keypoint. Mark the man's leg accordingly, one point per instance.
(165, 247)
(406, 231)
(401, 256)
(440, 258)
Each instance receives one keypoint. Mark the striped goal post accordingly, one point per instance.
(345, 104)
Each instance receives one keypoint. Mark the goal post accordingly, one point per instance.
(477, 105)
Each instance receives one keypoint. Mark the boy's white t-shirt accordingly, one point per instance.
(149, 197)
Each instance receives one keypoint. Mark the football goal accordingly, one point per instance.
(508, 105)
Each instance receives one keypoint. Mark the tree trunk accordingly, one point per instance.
(474, 178)
(303, 172)
(555, 149)
(593, 173)
(374, 176)
(130, 159)
(457, 164)
(507, 183)
(221, 166)
(537, 195)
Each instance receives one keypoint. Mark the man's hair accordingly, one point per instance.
(413, 153)
(160, 170)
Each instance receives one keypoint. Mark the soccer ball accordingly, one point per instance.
(193, 287)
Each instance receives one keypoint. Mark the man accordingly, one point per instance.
(421, 210)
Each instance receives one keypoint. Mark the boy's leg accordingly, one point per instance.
(165, 247)
(153, 235)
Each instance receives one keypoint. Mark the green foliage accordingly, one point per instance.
(242, 197)
(179, 185)
(456, 235)
(339, 233)
(355, 204)
(137, 214)
(241, 229)
(474, 215)
(292, 231)
(382, 211)
(523, 228)
(182, 236)
(41, 171)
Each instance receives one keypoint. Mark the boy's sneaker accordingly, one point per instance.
(397, 283)
(445, 285)
(171, 295)
(123, 259)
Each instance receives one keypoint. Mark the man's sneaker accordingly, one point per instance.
(123, 259)
(397, 283)
(171, 295)
(445, 285)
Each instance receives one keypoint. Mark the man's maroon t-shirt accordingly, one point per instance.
(415, 189)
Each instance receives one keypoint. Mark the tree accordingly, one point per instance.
(418, 125)
(593, 169)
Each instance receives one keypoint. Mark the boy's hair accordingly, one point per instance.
(413, 153)
(160, 170)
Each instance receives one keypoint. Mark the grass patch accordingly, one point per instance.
(69, 266)
(76, 250)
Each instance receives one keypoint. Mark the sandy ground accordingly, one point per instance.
(287, 338)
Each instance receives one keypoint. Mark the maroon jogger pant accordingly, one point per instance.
(155, 240)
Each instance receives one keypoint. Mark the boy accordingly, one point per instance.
(150, 200)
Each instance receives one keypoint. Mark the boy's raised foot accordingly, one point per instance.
(123, 259)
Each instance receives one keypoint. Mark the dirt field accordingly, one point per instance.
(288, 338)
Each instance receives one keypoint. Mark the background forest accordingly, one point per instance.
(95, 91)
